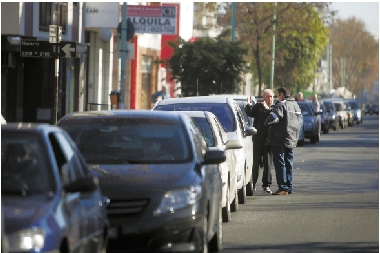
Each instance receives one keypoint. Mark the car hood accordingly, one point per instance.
(138, 178)
(23, 211)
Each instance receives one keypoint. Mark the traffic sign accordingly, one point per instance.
(68, 49)
(36, 48)
(53, 37)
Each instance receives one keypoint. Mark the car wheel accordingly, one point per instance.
(235, 203)
(300, 143)
(317, 136)
(250, 187)
(216, 243)
(242, 194)
(226, 211)
(312, 139)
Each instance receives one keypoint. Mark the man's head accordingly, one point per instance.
(313, 97)
(282, 92)
(268, 96)
(299, 96)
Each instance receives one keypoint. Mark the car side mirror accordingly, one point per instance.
(250, 130)
(214, 156)
(234, 144)
(85, 184)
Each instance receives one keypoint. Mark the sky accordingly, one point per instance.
(366, 11)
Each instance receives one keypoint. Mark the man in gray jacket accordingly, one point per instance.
(284, 124)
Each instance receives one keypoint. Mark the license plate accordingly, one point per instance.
(112, 233)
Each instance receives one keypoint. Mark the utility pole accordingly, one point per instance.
(233, 21)
(123, 55)
(273, 44)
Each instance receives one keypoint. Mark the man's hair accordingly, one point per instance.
(284, 91)
(300, 93)
(268, 90)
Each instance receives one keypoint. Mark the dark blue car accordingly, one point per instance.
(50, 201)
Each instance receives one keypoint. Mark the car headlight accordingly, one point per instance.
(332, 117)
(27, 239)
(178, 199)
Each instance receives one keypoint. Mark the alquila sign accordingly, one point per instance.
(153, 19)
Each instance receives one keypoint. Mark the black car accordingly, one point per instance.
(50, 201)
(325, 119)
(163, 184)
(371, 109)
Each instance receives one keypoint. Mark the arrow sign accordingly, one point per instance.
(68, 49)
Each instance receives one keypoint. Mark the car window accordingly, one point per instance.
(223, 134)
(205, 128)
(241, 120)
(338, 106)
(329, 106)
(221, 110)
(353, 104)
(306, 110)
(24, 165)
(129, 140)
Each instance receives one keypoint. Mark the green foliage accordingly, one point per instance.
(209, 65)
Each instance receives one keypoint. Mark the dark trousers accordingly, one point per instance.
(261, 152)
(283, 164)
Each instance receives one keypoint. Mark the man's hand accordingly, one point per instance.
(249, 101)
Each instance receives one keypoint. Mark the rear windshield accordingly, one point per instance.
(222, 111)
(118, 141)
(354, 105)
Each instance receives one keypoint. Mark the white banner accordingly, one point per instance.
(102, 15)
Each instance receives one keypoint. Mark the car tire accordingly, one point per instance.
(235, 203)
(226, 211)
(242, 194)
(216, 243)
(312, 139)
(250, 187)
(317, 136)
(300, 143)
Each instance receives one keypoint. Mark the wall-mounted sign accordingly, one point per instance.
(102, 15)
(153, 19)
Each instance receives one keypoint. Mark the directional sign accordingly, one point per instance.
(53, 36)
(36, 48)
(68, 49)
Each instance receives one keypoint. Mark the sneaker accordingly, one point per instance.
(267, 189)
(280, 192)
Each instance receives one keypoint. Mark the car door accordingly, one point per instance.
(85, 218)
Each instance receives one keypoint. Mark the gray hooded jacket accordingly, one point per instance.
(284, 124)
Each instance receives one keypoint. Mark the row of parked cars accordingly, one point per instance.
(160, 180)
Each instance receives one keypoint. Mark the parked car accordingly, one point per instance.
(216, 137)
(50, 200)
(371, 109)
(231, 117)
(164, 186)
(340, 109)
(350, 114)
(325, 119)
(310, 121)
(332, 116)
(355, 105)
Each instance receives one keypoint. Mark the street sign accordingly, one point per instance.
(53, 37)
(36, 48)
(68, 49)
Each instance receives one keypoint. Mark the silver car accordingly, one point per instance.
(216, 137)
(231, 117)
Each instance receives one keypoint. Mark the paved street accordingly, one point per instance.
(335, 204)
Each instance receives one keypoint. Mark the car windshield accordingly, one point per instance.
(329, 106)
(222, 111)
(305, 109)
(24, 167)
(353, 105)
(204, 126)
(129, 140)
(338, 106)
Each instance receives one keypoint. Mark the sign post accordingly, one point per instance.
(55, 37)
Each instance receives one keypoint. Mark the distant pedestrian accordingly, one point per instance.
(299, 96)
(260, 112)
(284, 126)
(162, 93)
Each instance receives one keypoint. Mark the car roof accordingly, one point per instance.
(25, 126)
(124, 113)
(200, 99)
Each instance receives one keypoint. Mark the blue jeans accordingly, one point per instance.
(283, 164)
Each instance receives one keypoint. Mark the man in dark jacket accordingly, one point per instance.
(260, 112)
(284, 126)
